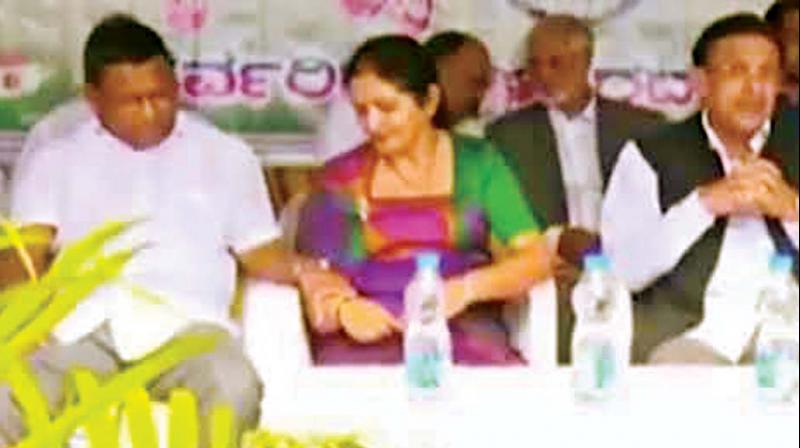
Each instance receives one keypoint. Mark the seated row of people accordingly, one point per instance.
(687, 212)
(595, 173)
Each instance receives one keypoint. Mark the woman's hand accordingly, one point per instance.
(456, 296)
(367, 321)
(507, 279)
(324, 291)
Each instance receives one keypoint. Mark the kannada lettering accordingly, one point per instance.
(310, 80)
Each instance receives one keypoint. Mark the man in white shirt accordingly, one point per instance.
(693, 213)
(564, 151)
(203, 206)
(58, 123)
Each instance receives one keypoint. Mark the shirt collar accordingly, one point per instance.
(586, 115)
(757, 142)
(99, 130)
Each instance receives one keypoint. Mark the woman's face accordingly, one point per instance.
(392, 118)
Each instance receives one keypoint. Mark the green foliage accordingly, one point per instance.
(269, 439)
(30, 310)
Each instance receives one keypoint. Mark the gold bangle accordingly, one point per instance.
(343, 301)
(302, 264)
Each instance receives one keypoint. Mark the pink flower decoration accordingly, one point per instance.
(186, 16)
(363, 8)
(415, 15)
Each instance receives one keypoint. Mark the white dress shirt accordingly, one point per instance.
(201, 194)
(644, 244)
(578, 155)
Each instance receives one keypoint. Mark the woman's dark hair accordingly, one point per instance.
(117, 39)
(733, 25)
(400, 60)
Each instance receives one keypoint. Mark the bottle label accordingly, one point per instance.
(429, 309)
(425, 369)
(595, 368)
(777, 369)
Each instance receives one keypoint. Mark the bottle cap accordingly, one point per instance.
(428, 260)
(596, 262)
(780, 263)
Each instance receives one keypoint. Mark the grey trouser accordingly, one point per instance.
(683, 350)
(222, 376)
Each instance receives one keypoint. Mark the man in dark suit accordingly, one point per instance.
(693, 213)
(564, 150)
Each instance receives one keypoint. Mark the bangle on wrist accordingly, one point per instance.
(299, 265)
(342, 302)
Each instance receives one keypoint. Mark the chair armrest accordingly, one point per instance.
(533, 325)
(275, 337)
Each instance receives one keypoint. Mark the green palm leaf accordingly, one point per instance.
(16, 241)
(26, 390)
(103, 428)
(65, 300)
(138, 375)
(183, 421)
(22, 302)
(71, 260)
(29, 235)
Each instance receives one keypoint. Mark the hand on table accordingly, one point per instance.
(324, 291)
(366, 321)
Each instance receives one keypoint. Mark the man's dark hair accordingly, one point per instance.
(117, 39)
(733, 25)
(447, 43)
(775, 13)
(565, 24)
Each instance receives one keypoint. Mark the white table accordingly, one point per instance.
(516, 407)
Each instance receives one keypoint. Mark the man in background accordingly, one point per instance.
(784, 18)
(465, 73)
(564, 150)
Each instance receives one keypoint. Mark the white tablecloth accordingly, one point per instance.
(510, 407)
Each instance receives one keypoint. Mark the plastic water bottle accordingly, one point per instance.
(777, 362)
(601, 340)
(426, 344)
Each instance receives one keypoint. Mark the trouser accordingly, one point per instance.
(223, 376)
(683, 350)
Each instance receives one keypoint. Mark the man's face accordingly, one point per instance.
(136, 102)
(740, 82)
(560, 62)
(464, 77)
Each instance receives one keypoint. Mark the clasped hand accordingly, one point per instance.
(754, 187)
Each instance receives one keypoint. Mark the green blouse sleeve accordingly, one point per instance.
(497, 189)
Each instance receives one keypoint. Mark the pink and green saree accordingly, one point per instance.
(373, 242)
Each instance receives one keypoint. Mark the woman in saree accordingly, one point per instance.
(413, 187)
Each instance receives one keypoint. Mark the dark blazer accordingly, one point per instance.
(681, 157)
(528, 141)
